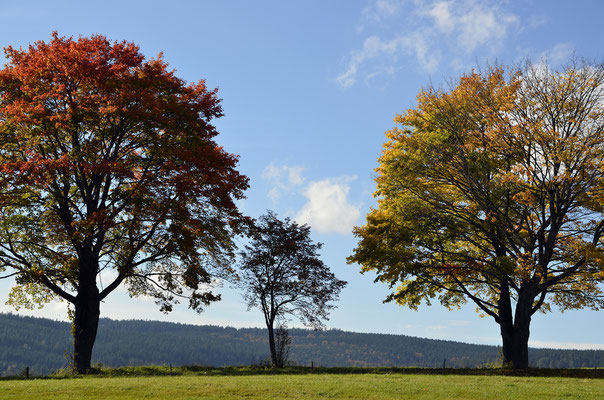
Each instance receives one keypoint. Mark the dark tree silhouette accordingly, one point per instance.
(281, 273)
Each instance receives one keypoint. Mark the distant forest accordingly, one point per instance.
(44, 345)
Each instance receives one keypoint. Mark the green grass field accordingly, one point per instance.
(300, 384)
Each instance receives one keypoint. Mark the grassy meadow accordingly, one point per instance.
(161, 383)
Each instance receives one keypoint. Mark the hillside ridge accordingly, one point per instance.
(44, 346)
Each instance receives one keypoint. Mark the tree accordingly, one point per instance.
(108, 164)
(282, 345)
(493, 192)
(280, 272)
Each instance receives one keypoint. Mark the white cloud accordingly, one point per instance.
(328, 208)
(427, 58)
(473, 24)
(372, 48)
(442, 16)
(282, 178)
(293, 175)
(387, 8)
(552, 344)
(430, 31)
(449, 325)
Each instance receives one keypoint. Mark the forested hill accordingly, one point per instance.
(44, 345)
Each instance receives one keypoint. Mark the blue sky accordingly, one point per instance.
(309, 88)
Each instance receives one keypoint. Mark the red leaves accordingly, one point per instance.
(115, 145)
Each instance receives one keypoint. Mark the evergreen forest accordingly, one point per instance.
(44, 346)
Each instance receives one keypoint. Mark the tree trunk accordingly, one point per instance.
(506, 323)
(515, 345)
(515, 335)
(271, 343)
(85, 326)
(522, 322)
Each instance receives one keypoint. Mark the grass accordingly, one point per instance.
(299, 383)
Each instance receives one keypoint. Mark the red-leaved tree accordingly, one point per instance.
(108, 163)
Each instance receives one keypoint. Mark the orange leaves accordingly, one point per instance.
(497, 183)
(113, 156)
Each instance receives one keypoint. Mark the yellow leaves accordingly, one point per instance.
(29, 296)
(525, 197)
(499, 178)
(510, 179)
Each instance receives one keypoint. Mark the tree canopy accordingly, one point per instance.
(108, 164)
(281, 273)
(493, 192)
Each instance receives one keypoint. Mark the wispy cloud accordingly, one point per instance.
(472, 24)
(388, 8)
(379, 11)
(536, 21)
(373, 47)
(430, 32)
(558, 54)
(389, 51)
(282, 179)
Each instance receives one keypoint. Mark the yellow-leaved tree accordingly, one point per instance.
(493, 192)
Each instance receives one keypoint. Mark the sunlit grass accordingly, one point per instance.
(251, 383)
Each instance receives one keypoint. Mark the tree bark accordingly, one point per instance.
(271, 344)
(522, 322)
(515, 334)
(87, 313)
(506, 323)
(84, 329)
(515, 345)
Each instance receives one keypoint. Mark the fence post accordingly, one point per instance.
(26, 372)
(444, 363)
(312, 366)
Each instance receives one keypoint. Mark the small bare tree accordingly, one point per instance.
(282, 345)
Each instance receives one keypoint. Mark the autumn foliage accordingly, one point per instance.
(493, 192)
(108, 164)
